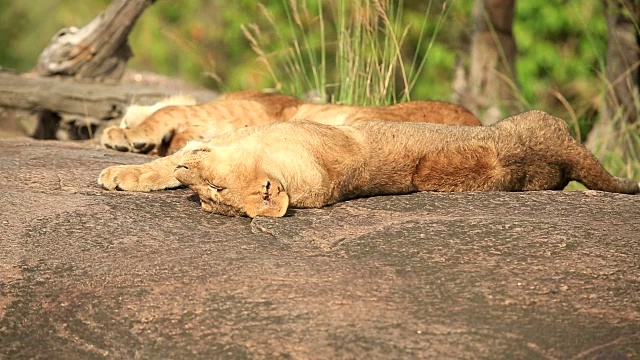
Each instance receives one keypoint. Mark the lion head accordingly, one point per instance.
(230, 181)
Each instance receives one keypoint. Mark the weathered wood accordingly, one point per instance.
(82, 106)
(97, 51)
(98, 100)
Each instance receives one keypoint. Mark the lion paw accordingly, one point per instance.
(114, 137)
(121, 177)
(137, 178)
(126, 140)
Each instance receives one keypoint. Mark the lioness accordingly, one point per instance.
(169, 125)
(261, 171)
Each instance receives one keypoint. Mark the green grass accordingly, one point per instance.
(619, 151)
(351, 53)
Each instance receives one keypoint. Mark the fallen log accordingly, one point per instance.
(80, 103)
(102, 101)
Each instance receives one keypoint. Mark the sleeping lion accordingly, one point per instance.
(262, 171)
(168, 125)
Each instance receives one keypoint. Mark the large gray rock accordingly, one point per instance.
(86, 273)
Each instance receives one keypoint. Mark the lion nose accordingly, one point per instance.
(181, 167)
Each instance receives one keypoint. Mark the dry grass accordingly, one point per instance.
(348, 52)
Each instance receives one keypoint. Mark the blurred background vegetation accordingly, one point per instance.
(561, 43)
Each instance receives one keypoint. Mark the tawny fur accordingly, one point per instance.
(169, 128)
(136, 114)
(262, 171)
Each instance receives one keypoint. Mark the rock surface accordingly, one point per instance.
(86, 273)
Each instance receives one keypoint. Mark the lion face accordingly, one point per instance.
(229, 181)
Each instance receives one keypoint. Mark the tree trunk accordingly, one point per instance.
(619, 109)
(489, 88)
(99, 50)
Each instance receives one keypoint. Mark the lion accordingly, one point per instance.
(167, 126)
(136, 114)
(263, 171)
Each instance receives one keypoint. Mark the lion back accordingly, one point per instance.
(435, 112)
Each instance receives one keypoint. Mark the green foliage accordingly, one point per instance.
(561, 47)
(352, 51)
(27, 26)
(561, 42)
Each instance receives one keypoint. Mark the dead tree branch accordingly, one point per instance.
(99, 50)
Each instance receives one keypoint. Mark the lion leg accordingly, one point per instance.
(179, 140)
(146, 136)
(155, 175)
(114, 137)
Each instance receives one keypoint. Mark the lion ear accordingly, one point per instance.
(270, 200)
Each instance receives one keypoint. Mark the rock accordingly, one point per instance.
(88, 273)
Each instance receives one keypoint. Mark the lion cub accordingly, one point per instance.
(167, 126)
(262, 171)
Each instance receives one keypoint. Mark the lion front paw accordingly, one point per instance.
(115, 138)
(122, 177)
(136, 178)
(127, 140)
